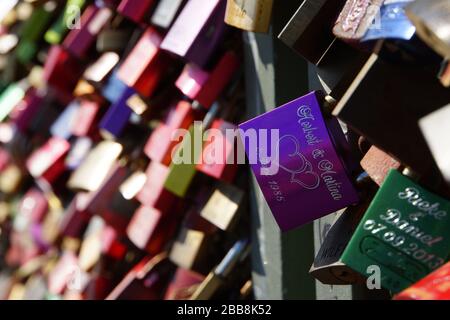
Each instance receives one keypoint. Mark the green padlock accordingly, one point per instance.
(32, 30)
(404, 233)
(10, 97)
(68, 19)
(183, 167)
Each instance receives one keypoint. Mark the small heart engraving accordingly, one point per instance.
(297, 164)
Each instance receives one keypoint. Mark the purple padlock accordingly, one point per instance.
(292, 153)
(198, 31)
(116, 118)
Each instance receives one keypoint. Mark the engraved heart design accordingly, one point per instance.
(296, 164)
(307, 179)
